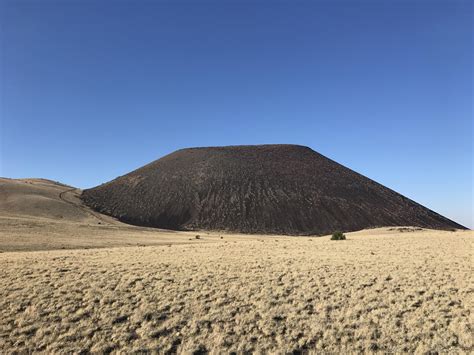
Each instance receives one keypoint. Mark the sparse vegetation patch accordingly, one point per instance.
(406, 229)
(338, 236)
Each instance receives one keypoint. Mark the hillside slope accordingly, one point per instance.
(45, 199)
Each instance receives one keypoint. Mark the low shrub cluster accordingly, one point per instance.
(338, 236)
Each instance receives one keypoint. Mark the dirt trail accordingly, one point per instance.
(74, 194)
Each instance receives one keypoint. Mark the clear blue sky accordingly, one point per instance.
(93, 89)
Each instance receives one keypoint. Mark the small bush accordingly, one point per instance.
(338, 236)
(198, 237)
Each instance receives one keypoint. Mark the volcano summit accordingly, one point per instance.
(277, 189)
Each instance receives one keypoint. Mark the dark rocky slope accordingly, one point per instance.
(278, 189)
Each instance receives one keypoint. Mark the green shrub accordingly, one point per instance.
(338, 236)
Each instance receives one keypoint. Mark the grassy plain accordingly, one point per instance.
(379, 290)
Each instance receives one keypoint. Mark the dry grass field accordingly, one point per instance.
(74, 281)
(380, 290)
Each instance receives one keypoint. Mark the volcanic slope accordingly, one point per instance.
(271, 189)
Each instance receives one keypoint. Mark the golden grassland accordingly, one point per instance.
(380, 290)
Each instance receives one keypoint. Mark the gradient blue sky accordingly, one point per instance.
(93, 89)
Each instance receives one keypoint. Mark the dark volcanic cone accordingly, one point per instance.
(278, 189)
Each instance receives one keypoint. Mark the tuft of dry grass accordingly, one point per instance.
(379, 291)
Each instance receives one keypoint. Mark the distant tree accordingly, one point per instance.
(338, 236)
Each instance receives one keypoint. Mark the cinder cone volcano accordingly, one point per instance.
(277, 189)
